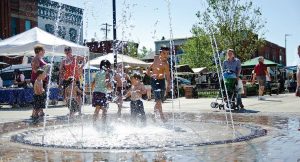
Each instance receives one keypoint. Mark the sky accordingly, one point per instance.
(145, 21)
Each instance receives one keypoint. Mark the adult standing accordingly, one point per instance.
(232, 70)
(160, 72)
(70, 67)
(260, 73)
(298, 75)
(38, 63)
(232, 64)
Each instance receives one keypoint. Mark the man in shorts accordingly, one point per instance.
(260, 73)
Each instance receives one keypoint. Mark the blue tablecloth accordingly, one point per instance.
(24, 96)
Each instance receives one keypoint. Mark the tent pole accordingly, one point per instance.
(89, 72)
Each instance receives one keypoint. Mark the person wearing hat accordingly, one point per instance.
(70, 67)
(159, 72)
(260, 73)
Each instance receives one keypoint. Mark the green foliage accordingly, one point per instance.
(197, 50)
(208, 93)
(144, 51)
(236, 24)
(131, 49)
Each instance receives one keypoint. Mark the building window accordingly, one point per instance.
(62, 31)
(73, 34)
(274, 59)
(13, 26)
(27, 25)
(267, 55)
(49, 28)
(280, 59)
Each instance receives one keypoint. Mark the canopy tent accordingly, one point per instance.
(254, 61)
(86, 67)
(200, 70)
(291, 68)
(23, 43)
(21, 67)
(184, 68)
(126, 60)
(3, 65)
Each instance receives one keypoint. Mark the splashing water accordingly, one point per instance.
(51, 67)
(172, 52)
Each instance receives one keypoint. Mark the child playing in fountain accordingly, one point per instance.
(120, 78)
(73, 97)
(100, 86)
(159, 71)
(39, 96)
(135, 92)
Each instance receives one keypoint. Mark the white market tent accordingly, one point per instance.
(23, 43)
(199, 70)
(21, 67)
(126, 60)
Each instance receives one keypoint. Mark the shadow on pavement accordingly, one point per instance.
(272, 100)
(246, 111)
(5, 108)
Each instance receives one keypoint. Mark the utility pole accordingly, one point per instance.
(105, 29)
(114, 33)
(280, 57)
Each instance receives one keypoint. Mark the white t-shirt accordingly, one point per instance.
(22, 77)
(1, 82)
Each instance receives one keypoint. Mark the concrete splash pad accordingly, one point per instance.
(121, 136)
(281, 136)
(187, 131)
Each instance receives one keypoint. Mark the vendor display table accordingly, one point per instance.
(23, 96)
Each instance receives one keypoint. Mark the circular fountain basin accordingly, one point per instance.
(121, 135)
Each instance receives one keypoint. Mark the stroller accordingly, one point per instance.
(230, 81)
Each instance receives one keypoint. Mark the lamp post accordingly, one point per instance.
(114, 33)
(280, 57)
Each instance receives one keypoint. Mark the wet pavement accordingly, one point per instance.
(279, 116)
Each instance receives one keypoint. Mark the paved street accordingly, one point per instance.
(278, 104)
(279, 115)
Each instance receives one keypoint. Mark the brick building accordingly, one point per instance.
(273, 52)
(102, 47)
(270, 51)
(17, 16)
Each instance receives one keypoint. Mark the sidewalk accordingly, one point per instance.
(277, 104)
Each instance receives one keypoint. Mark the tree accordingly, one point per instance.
(236, 24)
(197, 50)
(131, 49)
(144, 52)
